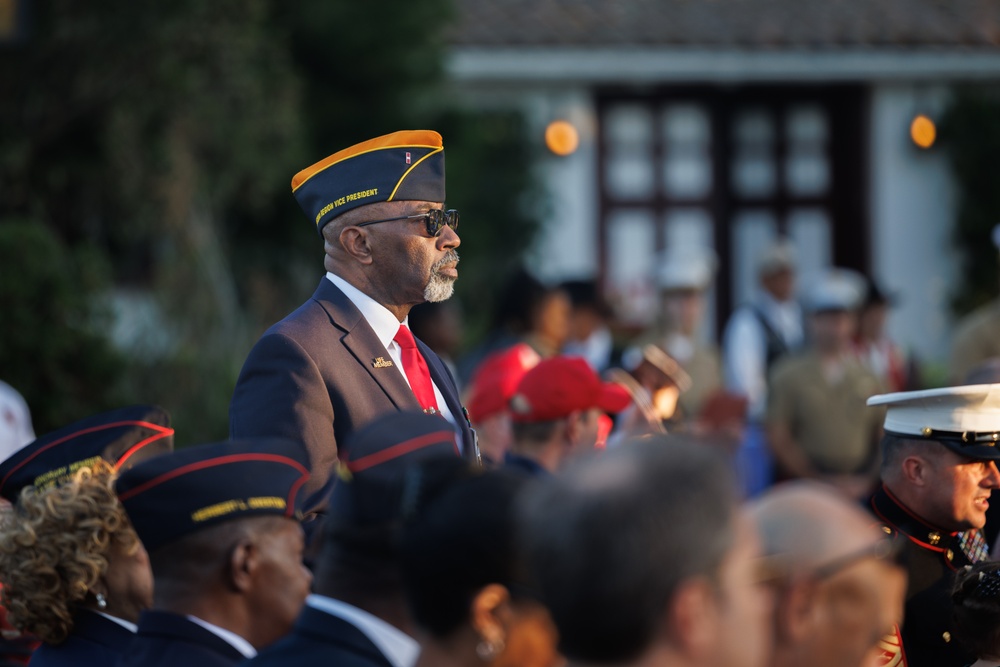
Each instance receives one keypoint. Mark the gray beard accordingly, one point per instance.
(440, 288)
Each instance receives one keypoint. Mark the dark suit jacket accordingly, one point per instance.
(94, 641)
(170, 640)
(932, 557)
(321, 639)
(311, 377)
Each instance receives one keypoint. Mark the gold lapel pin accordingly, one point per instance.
(381, 362)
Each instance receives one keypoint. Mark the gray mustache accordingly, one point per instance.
(450, 258)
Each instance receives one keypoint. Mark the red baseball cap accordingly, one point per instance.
(496, 379)
(559, 386)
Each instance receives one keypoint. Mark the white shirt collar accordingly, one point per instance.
(381, 320)
(398, 647)
(237, 642)
(131, 627)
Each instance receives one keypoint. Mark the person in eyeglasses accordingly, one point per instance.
(346, 357)
(838, 587)
(643, 557)
(939, 468)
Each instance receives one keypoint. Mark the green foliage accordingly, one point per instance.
(970, 130)
(52, 346)
(163, 137)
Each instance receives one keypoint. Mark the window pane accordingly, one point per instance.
(631, 260)
(807, 168)
(629, 174)
(753, 171)
(686, 124)
(687, 168)
(754, 230)
(628, 124)
(809, 230)
(806, 124)
(807, 172)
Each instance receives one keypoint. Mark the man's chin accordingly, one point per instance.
(440, 288)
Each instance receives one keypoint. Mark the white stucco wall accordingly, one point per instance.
(912, 212)
(567, 247)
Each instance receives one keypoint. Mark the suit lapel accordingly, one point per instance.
(442, 378)
(360, 340)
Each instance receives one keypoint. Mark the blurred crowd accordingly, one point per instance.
(567, 492)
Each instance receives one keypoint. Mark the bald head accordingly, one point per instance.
(838, 595)
(812, 524)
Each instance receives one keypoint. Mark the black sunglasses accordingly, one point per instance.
(435, 219)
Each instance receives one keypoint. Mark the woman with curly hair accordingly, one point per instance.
(976, 611)
(74, 572)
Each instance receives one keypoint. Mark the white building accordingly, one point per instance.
(726, 122)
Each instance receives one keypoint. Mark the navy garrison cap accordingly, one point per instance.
(374, 461)
(121, 437)
(403, 165)
(172, 496)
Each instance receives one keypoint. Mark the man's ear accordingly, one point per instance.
(573, 424)
(356, 243)
(795, 607)
(691, 618)
(489, 610)
(243, 560)
(916, 470)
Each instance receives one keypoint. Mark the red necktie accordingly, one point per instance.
(416, 371)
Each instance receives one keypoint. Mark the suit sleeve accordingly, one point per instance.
(281, 393)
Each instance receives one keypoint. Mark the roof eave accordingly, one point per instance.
(642, 65)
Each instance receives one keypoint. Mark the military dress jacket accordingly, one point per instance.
(94, 641)
(932, 557)
(320, 374)
(320, 639)
(171, 640)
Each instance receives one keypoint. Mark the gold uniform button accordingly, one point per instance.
(949, 555)
(946, 637)
(887, 530)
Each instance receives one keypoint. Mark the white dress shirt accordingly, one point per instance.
(745, 347)
(231, 638)
(398, 647)
(131, 627)
(385, 325)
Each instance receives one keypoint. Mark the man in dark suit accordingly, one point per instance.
(221, 526)
(358, 616)
(346, 356)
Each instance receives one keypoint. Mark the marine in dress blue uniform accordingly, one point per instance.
(189, 494)
(323, 371)
(123, 438)
(964, 422)
(359, 545)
